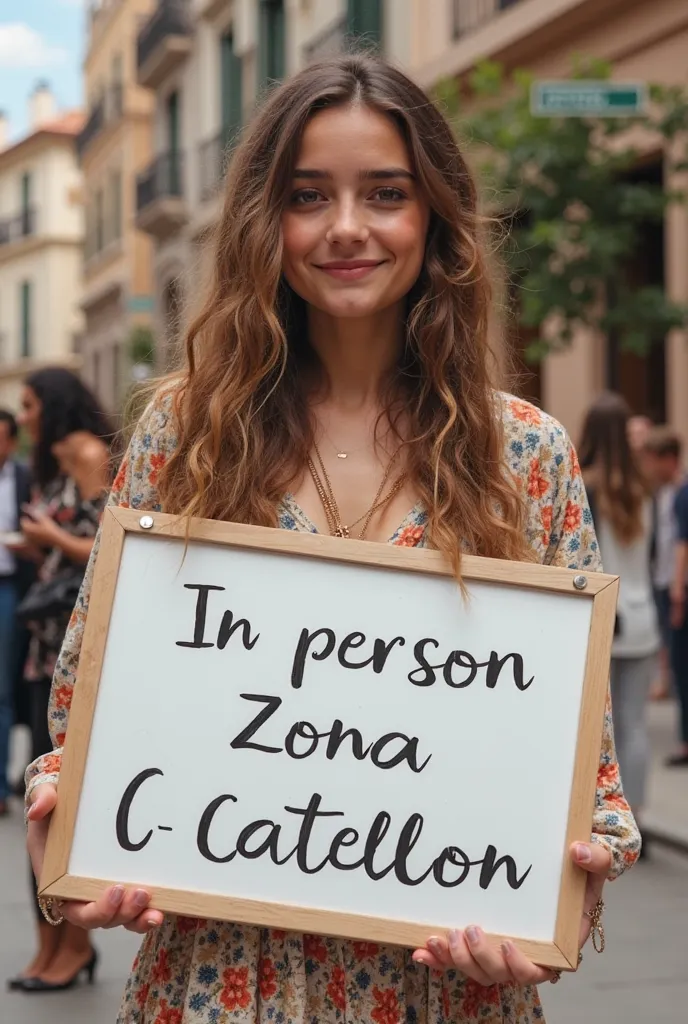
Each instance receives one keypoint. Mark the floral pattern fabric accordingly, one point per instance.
(61, 501)
(193, 971)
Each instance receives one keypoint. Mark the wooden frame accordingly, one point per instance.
(599, 588)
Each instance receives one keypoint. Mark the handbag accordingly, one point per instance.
(51, 598)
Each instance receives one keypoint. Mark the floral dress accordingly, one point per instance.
(192, 971)
(62, 502)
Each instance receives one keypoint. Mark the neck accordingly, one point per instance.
(357, 353)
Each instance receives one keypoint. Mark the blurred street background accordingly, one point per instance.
(117, 121)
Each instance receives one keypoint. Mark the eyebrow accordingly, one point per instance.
(380, 174)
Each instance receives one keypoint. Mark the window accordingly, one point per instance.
(96, 372)
(117, 94)
(271, 63)
(364, 21)
(26, 212)
(231, 89)
(173, 182)
(99, 226)
(25, 319)
(115, 206)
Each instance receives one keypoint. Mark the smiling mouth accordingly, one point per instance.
(351, 270)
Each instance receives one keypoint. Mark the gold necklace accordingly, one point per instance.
(332, 514)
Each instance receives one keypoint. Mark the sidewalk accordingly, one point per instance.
(666, 816)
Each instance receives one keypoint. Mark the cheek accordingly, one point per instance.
(298, 238)
(406, 237)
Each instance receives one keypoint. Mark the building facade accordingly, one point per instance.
(207, 62)
(41, 239)
(115, 143)
(644, 41)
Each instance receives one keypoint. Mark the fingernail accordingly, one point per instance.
(434, 944)
(473, 935)
(152, 922)
(141, 898)
(454, 937)
(420, 959)
(117, 895)
(507, 948)
(583, 853)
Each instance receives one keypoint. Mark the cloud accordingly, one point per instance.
(23, 47)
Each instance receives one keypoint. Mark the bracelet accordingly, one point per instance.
(46, 908)
(597, 931)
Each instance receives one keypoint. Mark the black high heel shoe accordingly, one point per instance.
(38, 985)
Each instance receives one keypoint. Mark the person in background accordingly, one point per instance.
(15, 575)
(679, 623)
(638, 429)
(622, 511)
(663, 466)
(71, 463)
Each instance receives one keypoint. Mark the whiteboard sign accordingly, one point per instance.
(324, 735)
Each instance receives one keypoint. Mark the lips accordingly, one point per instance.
(349, 270)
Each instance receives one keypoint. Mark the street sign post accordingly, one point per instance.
(587, 98)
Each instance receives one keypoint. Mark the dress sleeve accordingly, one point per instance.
(134, 487)
(573, 544)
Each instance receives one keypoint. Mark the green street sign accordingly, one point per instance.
(587, 98)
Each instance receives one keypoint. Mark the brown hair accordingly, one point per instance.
(244, 424)
(610, 466)
(663, 441)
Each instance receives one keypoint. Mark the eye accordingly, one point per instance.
(389, 194)
(306, 197)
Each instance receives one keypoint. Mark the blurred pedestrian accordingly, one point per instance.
(622, 510)
(663, 466)
(71, 462)
(15, 575)
(679, 623)
(638, 429)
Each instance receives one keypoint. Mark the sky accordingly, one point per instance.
(40, 39)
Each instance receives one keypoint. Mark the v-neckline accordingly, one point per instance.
(290, 503)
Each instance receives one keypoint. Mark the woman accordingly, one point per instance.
(70, 435)
(622, 509)
(337, 377)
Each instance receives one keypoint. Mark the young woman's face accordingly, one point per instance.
(355, 225)
(30, 415)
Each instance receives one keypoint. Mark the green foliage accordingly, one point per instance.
(573, 209)
(142, 346)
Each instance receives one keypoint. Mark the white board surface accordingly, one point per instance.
(501, 758)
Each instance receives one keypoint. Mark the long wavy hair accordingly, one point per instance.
(244, 424)
(67, 406)
(611, 468)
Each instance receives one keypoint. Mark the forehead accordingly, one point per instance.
(352, 138)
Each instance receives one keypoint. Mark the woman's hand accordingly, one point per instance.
(39, 529)
(471, 953)
(115, 907)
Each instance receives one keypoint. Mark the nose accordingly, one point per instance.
(348, 225)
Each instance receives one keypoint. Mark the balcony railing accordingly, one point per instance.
(163, 41)
(162, 179)
(93, 127)
(469, 15)
(328, 43)
(13, 229)
(213, 156)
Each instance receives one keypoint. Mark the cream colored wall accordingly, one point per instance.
(54, 272)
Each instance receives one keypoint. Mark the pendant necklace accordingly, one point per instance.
(329, 503)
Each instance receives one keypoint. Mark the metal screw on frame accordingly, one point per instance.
(580, 582)
(146, 522)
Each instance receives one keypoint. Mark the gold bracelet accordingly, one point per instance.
(597, 931)
(46, 908)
